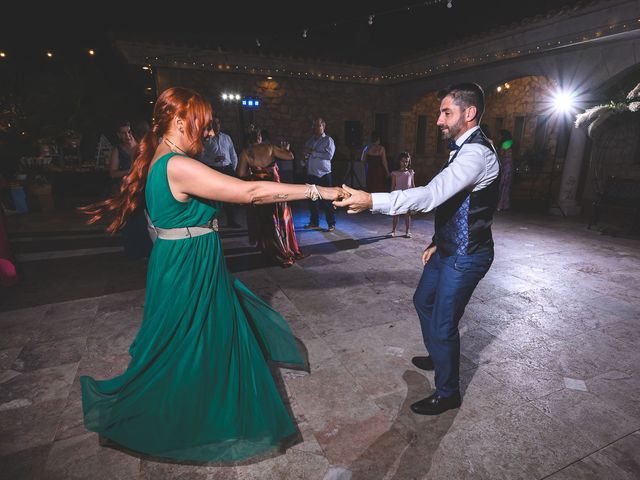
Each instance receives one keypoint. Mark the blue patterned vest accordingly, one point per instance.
(463, 223)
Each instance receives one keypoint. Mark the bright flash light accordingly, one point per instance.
(237, 97)
(225, 96)
(563, 101)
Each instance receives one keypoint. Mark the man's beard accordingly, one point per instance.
(453, 130)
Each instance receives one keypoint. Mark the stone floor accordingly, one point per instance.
(550, 359)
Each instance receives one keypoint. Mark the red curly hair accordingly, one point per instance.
(197, 115)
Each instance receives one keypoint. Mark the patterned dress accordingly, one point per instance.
(271, 226)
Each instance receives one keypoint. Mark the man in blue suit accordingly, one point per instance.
(464, 195)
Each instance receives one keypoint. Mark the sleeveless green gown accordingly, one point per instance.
(198, 387)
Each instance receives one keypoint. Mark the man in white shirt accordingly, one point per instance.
(220, 155)
(464, 195)
(318, 152)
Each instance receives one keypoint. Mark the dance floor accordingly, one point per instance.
(549, 345)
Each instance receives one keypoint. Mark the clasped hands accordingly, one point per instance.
(356, 201)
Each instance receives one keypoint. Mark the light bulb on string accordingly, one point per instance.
(305, 33)
(450, 4)
(258, 44)
(370, 21)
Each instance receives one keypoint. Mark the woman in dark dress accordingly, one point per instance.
(135, 236)
(270, 226)
(375, 157)
(505, 155)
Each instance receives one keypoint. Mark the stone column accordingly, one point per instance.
(571, 173)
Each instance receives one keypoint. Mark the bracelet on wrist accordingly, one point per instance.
(312, 193)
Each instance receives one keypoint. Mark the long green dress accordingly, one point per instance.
(198, 387)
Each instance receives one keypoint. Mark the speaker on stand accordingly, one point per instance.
(353, 139)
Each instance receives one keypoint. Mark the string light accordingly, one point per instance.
(370, 21)
(463, 61)
(304, 33)
(92, 52)
(3, 55)
(258, 44)
(49, 55)
(450, 4)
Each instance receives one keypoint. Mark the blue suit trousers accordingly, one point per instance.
(443, 292)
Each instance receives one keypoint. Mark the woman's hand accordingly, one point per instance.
(332, 193)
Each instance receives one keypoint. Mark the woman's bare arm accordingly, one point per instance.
(242, 170)
(188, 177)
(281, 153)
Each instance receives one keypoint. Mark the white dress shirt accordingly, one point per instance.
(475, 167)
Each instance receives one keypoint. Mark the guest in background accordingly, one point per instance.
(220, 154)
(505, 155)
(375, 157)
(402, 179)
(139, 128)
(135, 233)
(122, 156)
(318, 153)
(270, 226)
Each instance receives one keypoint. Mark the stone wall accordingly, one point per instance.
(289, 107)
(526, 97)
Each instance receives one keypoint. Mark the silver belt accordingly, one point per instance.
(187, 232)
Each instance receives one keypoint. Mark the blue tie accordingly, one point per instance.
(453, 145)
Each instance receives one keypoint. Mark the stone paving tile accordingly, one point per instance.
(82, 457)
(7, 357)
(584, 356)
(523, 443)
(35, 356)
(37, 386)
(592, 417)
(26, 464)
(619, 461)
(29, 426)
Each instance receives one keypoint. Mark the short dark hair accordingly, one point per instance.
(375, 136)
(466, 95)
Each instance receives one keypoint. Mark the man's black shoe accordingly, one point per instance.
(423, 363)
(312, 226)
(435, 404)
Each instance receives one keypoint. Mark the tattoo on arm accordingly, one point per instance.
(281, 196)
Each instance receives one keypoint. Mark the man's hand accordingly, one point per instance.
(356, 201)
(426, 255)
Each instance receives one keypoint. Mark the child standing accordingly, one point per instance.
(401, 180)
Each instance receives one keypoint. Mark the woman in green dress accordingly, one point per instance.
(198, 387)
